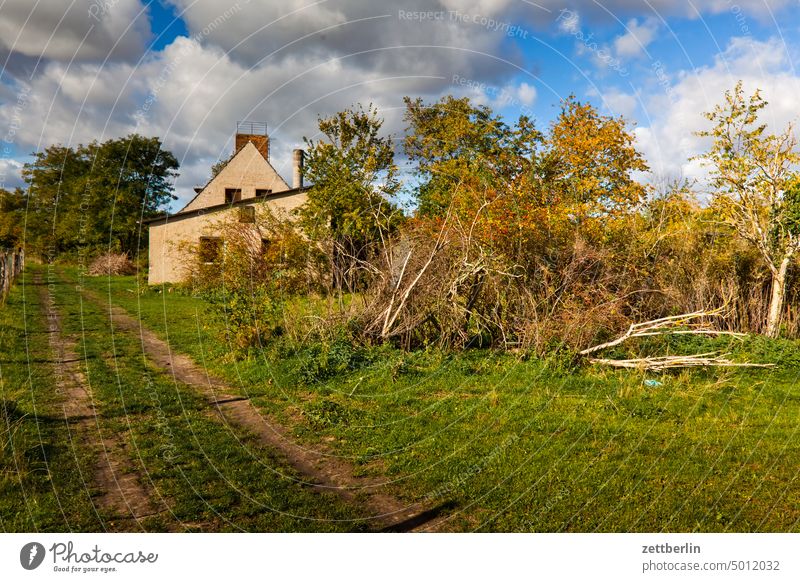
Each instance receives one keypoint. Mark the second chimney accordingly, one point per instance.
(297, 167)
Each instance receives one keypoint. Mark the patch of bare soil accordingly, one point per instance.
(319, 468)
(122, 493)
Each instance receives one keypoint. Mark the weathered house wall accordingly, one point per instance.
(248, 171)
(170, 238)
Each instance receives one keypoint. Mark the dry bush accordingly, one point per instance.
(439, 283)
(270, 251)
(426, 288)
(698, 264)
(112, 264)
(436, 284)
(584, 301)
(446, 288)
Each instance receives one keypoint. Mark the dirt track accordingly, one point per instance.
(319, 469)
(122, 491)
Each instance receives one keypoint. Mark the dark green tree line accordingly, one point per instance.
(89, 197)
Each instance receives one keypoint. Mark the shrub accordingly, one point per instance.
(319, 362)
(259, 269)
(251, 316)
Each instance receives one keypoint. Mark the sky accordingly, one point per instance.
(75, 71)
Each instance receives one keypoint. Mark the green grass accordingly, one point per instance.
(212, 477)
(42, 470)
(530, 445)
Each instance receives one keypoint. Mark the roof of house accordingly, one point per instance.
(180, 215)
(183, 213)
(198, 190)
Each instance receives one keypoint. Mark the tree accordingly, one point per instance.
(592, 160)
(525, 193)
(756, 187)
(12, 218)
(130, 179)
(93, 196)
(56, 204)
(479, 170)
(587, 160)
(460, 149)
(355, 178)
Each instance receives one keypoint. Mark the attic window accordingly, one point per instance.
(247, 214)
(262, 192)
(210, 250)
(232, 195)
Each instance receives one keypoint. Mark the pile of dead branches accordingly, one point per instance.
(436, 287)
(111, 264)
(685, 324)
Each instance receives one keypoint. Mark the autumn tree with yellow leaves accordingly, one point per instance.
(523, 190)
(756, 187)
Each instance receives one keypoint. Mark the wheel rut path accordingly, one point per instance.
(319, 469)
(123, 495)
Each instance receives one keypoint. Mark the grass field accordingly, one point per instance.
(508, 444)
(209, 477)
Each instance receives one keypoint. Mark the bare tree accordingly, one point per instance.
(754, 175)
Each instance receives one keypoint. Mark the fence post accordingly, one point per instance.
(11, 264)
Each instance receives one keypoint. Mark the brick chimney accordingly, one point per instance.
(297, 168)
(255, 132)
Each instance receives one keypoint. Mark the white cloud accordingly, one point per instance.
(480, 7)
(601, 11)
(191, 96)
(526, 94)
(636, 38)
(618, 103)
(675, 112)
(569, 21)
(762, 9)
(10, 176)
(81, 30)
(373, 37)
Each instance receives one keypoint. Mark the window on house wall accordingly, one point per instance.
(247, 214)
(210, 250)
(232, 195)
(262, 192)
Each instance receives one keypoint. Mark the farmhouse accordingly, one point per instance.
(247, 179)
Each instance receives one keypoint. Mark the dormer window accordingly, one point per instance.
(232, 195)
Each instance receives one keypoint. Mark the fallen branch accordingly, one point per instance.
(666, 362)
(667, 326)
(664, 326)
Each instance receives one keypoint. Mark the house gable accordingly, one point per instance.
(247, 171)
(246, 180)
